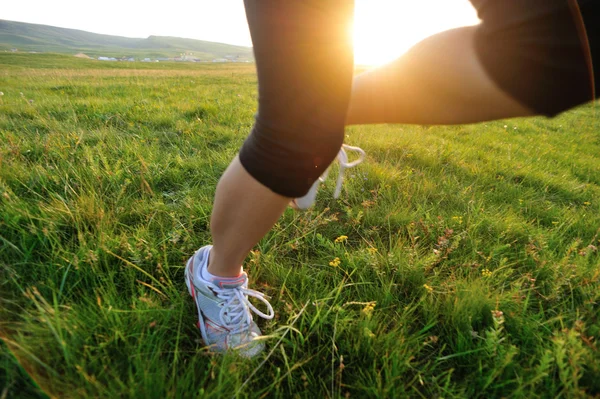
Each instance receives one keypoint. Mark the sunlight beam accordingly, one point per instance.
(385, 29)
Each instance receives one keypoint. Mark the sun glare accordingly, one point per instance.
(385, 29)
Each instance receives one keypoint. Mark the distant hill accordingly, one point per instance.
(44, 38)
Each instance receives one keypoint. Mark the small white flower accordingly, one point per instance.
(505, 126)
(1, 94)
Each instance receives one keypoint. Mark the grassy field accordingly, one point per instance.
(459, 262)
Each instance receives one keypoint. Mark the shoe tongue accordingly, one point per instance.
(231, 282)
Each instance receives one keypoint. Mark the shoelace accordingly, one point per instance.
(308, 199)
(237, 307)
(344, 164)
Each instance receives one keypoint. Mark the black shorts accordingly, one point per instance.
(541, 52)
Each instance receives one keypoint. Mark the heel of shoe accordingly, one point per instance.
(308, 200)
(188, 281)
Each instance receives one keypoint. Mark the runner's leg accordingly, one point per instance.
(526, 57)
(304, 63)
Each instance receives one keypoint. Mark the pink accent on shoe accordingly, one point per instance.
(215, 328)
(192, 289)
(231, 281)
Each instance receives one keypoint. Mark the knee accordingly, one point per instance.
(287, 162)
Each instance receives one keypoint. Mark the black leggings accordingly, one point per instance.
(537, 51)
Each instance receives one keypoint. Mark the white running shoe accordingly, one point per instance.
(308, 200)
(224, 311)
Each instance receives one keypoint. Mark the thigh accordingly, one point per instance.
(539, 51)
(304, 59)
(304, 62)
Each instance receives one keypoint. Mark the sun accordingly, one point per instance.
(385, 29)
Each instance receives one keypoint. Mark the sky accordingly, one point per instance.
(384, 29)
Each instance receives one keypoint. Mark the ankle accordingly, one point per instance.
(224, 274)
(218, 268)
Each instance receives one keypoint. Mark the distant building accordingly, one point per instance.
(234, 58)
(106, 59)
(14, 50)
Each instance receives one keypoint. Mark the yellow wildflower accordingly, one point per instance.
(335, 263)
(368, 309)
(368, 333)
(341, 239)
(457, 219)
(428, 288)
(486, 273)
(372, 250)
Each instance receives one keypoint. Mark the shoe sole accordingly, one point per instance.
(308, 200)
(191, 289)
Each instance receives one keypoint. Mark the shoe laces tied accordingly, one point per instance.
(235, 314)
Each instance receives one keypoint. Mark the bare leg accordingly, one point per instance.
(244, 211)
(439, 81)
(304, 68)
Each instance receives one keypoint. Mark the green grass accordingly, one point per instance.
(470, 267)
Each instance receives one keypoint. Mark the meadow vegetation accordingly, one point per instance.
(459, 261)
